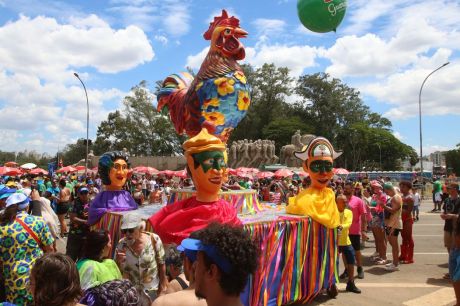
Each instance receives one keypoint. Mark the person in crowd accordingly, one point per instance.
(144, 186)
(50, 218)
(63, 205)
(94, 267)
(276, 193)
(141, 258)
(78, 224)
(226, 257)
(407, 246)
(187, 296)
(379, 198)
(92, 190)
(23, 239)
(359, 225)
(54, 281)
(451, 209)
(454, 254)
(155, 195)
(417, 202)
(345, 244)
(392, 212)
(138, 194)
(175, 270)
(437, 195)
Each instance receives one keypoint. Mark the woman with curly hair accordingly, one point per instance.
(113, 169)
(54, 281)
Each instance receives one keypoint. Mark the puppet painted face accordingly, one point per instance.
(320, 170)
(207, 170)
(118, 174)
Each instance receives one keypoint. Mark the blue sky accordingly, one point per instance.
(383, 48)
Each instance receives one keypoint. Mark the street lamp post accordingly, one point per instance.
(87, 122)
(420, 118)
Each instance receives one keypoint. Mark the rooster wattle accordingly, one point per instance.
(219, 96)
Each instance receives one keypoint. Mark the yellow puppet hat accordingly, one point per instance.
(203, 141)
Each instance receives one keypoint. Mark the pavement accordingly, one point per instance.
(416, 284)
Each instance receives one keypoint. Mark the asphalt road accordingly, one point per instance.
(416, 284)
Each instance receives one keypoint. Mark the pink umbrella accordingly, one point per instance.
(167, 172)
(38, 171)
(66, 169)
(244, 174)
(11, 171)
(143, 169)
(283, 173)
(231, 171)
(266, 174)
(180, 173)
(80, 168)
(340, 171)
(303, 174)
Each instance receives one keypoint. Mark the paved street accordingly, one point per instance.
(416, 284)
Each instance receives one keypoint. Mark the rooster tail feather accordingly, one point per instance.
(171, 85)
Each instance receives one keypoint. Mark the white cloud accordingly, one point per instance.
(170, 16)
(398, 135)
(38, 91)
(296, 58)
(269, 27)
(161, 38)
(427, 150)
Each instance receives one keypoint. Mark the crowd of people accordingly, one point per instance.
(142, 271)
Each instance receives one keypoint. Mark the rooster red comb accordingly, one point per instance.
(223, 20)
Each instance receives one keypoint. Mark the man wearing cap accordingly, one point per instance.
(206, 163)
(5, 192)
(226, 257)
(187, 296)
(78, 224)
(317, 201)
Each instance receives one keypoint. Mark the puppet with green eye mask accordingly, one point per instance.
(206, 164)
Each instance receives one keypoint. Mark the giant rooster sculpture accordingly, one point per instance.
(219, 95)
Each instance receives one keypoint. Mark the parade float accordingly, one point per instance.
(298, 246)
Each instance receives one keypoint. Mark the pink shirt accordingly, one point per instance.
(356, 205)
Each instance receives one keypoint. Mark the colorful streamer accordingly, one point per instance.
(245, 201)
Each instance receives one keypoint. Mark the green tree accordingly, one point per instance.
(75, 152)
(453, 160)
(270, 87)
(281, 130)
(139, 127)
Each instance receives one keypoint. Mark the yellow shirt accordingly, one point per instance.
(346, 218)
(319, 204)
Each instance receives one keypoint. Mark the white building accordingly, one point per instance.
(438, 158)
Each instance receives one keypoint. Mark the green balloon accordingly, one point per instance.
(321, 16)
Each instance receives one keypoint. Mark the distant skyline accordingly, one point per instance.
(383, 48)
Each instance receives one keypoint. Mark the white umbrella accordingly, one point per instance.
(28, 166)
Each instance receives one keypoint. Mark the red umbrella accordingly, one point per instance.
(231, 171)
(167, 172)
(303, 174)
(284, 173)
(80, 168)
(340, 171)
(38, 171)
(266, 174)
(143, 169)
(11, 171)
(11, 164)
(66, 169)
(244, 174)
(180, 173)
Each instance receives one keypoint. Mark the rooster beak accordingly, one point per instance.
(240, 33)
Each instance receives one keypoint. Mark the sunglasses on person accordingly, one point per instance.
(128, 230)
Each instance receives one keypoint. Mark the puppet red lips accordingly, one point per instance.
(215, 180)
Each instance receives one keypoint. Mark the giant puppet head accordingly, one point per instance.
(206, 164)
(114, 169)
(318, 157)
